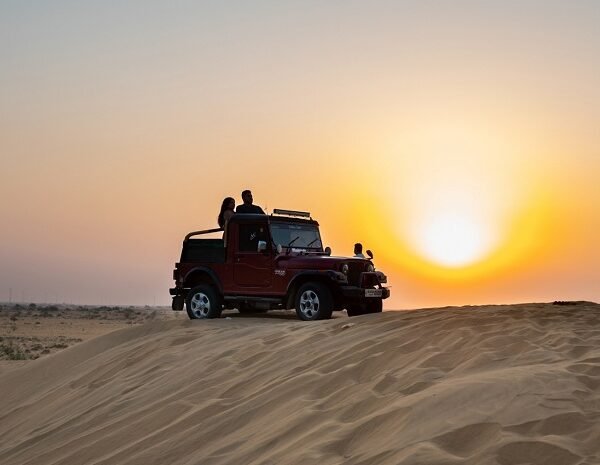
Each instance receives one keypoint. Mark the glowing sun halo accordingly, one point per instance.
(450, 186)
(453, 240)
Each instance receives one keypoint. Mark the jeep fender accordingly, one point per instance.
(202, 274)
(328, 277)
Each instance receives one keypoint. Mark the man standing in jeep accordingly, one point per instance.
(247, 206)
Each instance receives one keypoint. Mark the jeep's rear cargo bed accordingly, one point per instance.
(203, 250)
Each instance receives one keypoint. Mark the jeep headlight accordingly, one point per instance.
(345, 269)
(370, 268)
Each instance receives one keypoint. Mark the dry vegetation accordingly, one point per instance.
(30, 331)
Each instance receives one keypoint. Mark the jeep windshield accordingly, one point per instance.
(296, 236)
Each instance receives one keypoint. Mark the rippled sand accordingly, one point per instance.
(515, 384)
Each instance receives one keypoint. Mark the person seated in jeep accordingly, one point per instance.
(248, 206)
(358, 248)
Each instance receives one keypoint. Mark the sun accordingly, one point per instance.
(455, 190)
(453, 239)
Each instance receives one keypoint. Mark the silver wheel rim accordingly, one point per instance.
(200, 305)
(309, 304)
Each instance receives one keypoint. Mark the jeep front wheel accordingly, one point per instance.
(314, 302)
(203, 302)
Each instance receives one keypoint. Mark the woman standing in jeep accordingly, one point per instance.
(227, 211)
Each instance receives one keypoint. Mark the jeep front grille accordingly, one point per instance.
(354, 271)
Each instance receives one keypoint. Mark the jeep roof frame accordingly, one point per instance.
(295, 213)
(249, 217)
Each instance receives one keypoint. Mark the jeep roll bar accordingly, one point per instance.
(204, 231)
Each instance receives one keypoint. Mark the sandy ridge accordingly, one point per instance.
(495, 384)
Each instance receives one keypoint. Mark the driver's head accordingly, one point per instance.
(247, 197)
(357, 248)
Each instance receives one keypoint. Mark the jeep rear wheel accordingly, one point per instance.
(203, 302)
(314, 302)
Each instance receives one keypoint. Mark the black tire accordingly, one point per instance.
(355, 310)
(203, 302)
(371, 306)
(375, 306)
(178, 303)
(314, 302)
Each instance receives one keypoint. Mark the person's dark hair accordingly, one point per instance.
(357, 248)
(247, 191)
(220, 218)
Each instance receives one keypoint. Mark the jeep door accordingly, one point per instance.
(251, 268)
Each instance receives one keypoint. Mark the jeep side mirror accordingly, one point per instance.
(370, 254)
(262, 246)
(327, 250)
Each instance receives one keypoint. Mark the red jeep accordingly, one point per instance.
(276, 261)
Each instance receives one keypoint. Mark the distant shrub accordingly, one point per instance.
(11, 352)
(128, 313)
(59, 345)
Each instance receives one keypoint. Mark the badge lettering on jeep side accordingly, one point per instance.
(280, 272)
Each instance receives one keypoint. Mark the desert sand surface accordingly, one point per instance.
(513, 384)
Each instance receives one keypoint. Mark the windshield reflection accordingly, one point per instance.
(297, 236)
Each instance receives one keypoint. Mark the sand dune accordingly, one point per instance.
(473, 385)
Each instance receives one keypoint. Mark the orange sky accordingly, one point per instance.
(459, 141)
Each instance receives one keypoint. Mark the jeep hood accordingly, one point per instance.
(315, 262)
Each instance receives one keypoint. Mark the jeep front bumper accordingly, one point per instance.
(358, 294)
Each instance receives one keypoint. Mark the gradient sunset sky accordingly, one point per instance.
(459, 140)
